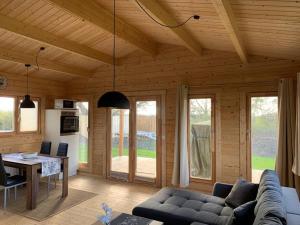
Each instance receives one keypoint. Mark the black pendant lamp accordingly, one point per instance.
(114, 99)
(27, 103)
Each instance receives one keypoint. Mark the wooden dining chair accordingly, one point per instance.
(8, 182)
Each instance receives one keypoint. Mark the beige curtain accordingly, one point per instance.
(296, 162)
(181, 165)
(286, 135)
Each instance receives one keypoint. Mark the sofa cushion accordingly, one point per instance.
(197, 223)
(293, 219)
(269, 221)
(183, 207)
(242, 192)
(291, 200)
(244, 214)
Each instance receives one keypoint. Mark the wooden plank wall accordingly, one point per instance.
(47, 90)
(218, 73)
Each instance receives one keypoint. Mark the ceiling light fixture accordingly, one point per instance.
(114, 99)
(27, 103)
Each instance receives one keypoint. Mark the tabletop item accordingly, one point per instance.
(106, 217)
(119, 218)
(29, 155)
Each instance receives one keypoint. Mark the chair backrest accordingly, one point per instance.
(62, 149)
(46, 148)
(3, 176)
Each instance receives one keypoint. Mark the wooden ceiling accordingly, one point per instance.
(78, 34)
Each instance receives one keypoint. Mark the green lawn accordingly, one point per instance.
(140, 152)
(83, 154)
(258, 162)
(261, 163)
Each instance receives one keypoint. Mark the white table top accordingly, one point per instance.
(14, 159)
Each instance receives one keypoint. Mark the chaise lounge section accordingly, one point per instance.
(274, 205)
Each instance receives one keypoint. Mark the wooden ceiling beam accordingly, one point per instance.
(226, 14)
(40, 35)
(94, 13)
(158, 11)
(22, 58)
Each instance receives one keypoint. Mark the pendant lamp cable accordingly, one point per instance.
(114, 48)
(196, 17)
(36, 57)
(27, 68)
(27, 82)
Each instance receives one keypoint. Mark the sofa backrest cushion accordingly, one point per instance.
(270, 204)
(269, 181)
(242, 192)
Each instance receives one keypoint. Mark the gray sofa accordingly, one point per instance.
(276, 205)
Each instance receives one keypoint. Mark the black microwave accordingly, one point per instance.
(64, 104)
(69, 124)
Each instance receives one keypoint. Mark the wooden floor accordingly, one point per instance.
(146, 167)
(120, 196)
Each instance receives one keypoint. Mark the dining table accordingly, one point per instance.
(31, 167)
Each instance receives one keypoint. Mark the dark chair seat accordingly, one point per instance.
(13, 180)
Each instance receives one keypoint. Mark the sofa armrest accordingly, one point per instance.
(221, 189)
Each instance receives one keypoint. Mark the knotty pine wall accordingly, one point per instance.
(47, 91)
(219, 73)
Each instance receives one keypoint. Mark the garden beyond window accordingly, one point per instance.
(264, 126)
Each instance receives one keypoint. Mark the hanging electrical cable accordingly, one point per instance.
(196, 17)
(36, 57)
(114, 99)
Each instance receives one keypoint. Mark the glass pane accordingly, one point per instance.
(146, 139)
(120, 140)
(7, 114)
(83, 108)
(264, 124)
(200, 138)
(29, 118)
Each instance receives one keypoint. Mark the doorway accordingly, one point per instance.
(262, 135)
(135, 141)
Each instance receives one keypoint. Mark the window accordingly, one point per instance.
(120, 140)
(83, 108)
(264, 126)
(200, 136)
(7, 114)
(29, 118)
(146, 139)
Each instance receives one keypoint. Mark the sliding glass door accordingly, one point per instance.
(83, 110)
(120, 142)
(134, 150)
(146, 139)
(263, 124)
